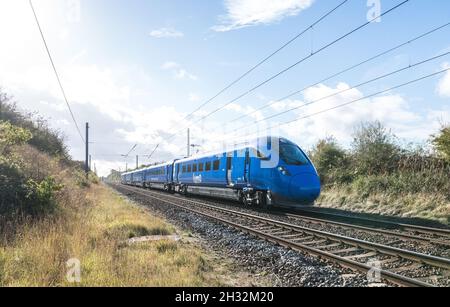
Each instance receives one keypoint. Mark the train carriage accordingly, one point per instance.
(269, 171)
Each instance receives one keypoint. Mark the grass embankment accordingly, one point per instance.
(50, 213)
(428, 206)
(378, 175)
(95, 235)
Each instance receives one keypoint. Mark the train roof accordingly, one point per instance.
(149, 168)
(253, 143)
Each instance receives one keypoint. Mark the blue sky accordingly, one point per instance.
(134, 69)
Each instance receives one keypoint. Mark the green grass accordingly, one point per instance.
(94, 234)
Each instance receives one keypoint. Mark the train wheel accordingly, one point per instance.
(242, 198)
(265, 200)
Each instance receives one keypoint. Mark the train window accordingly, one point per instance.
(194, 168)
(200, 167)
(208, 166)
(216, 165)
(189, 170)
(292, 154)
(184, 168)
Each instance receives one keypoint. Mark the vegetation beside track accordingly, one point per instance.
(50, 214)
(379, 175)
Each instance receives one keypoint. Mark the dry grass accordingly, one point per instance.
(409, 205)
(94, 233)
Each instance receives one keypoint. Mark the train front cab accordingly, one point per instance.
(285, 173)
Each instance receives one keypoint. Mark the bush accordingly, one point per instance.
(41, 196)
(20, 195)
(375, 150)
(13, 190)
(442, 142)
(43, 138)
(331, 161)
(11, 135)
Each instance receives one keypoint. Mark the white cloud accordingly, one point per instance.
(166, 33)
(245, 13)
(393, 110)
(444, 84)
(178, 71)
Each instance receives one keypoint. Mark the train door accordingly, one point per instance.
(238, 168)
(247, 166)
(177, 173)
(229, 170)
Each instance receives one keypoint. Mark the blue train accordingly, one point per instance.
(269, 171)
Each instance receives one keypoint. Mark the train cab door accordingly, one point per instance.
(229, 170)
(247, 166)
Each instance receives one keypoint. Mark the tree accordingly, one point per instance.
(442, 142)
(329, 158)
(375, 149)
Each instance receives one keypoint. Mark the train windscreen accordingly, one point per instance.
(292, 154)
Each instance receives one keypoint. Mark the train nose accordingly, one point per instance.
(305, 187)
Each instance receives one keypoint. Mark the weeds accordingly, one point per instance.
(377, 170)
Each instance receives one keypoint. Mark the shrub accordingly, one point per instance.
(442, 142)
(13, 190)
(375, 149)
(43, 137)
(41, 196)
(331, 161)
(11, 135)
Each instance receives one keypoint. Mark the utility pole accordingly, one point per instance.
(87, 151)
(188, 142)
(137, 161)
(90, 163)
(126, 167)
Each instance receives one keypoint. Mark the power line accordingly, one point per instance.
(258, 65)
(301, 61)
(266, 59)
(351, 102)
(296, 64)
(271, 103)
(131, 150)
(153, 152)
(56, 72)
(409, 66)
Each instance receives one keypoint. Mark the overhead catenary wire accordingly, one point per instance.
(131, 150)
(346, 104)
(408, 67)
(56, 72)
(153, 152)
(334, 75)
(297, 36)
(299, 62)
(265, 59)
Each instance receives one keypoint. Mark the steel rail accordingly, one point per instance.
(368, 229)
(345, 261)
(384, 223)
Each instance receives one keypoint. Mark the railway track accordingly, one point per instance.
(420, 233)
(434, 236)
(399, 266)
(404, 231)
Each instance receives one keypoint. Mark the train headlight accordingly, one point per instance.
(284, 171)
